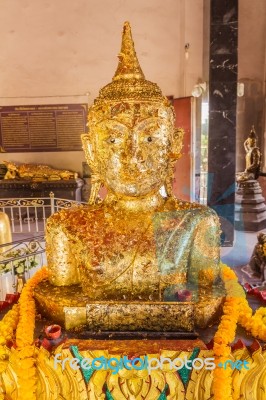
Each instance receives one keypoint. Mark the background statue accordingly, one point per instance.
(37, 172)
(257, 263)
(253, 158)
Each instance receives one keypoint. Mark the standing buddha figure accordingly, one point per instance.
(136, 247)
(253, 158)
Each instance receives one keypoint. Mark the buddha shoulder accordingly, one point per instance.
(193, 210)
(75, 220)
(201, 221)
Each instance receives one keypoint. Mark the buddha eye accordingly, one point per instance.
(111, 140)
(149, 139)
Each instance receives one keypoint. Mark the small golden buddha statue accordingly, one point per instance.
(36, 172)
(136, 249)
(253, 158)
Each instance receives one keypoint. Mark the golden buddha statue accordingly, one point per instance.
(253, 158)
(136, 253)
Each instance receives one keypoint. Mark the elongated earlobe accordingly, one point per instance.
(88, 150)
(177, 143)
(96, 185)
(96, 182)
(176, 148)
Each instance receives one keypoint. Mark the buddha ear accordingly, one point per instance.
(88, 148)
(96, 183)
(177, 143)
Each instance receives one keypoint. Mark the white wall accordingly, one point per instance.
(55, 48)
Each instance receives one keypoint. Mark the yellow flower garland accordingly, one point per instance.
(222, 381)
(255, 324)
(8, 325)
(7, 328)
(25, 351)
(236, 309)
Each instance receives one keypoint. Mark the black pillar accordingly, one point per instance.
(222, 113)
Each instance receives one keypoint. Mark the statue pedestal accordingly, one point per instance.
(250, 208)
(69, 307)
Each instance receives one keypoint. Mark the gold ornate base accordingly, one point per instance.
(59, 378)
(70, 308)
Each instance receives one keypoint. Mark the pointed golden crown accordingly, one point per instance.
(128, 66)
(252, 133)
(129, 82)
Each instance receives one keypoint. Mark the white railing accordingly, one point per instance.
(30, 214)
(21, 258)
(24, 257)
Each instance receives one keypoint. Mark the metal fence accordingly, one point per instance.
(30, 214)
(20, 260)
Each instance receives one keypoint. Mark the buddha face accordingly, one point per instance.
(132, 143)
(251, 142)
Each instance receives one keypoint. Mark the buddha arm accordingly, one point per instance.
(62, 264)
(204, 265)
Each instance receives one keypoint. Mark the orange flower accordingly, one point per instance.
(236, 309)
(25, 352)
(222, 381)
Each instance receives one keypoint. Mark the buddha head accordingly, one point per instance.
(131, 143)
(252, 138)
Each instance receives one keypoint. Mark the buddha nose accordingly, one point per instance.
(132, 155)
(132, 148)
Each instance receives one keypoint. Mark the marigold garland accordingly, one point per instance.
(25, 351)
(255, 324)
(8, 325)
(235, 310)
(222, 381)
(7, 328)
